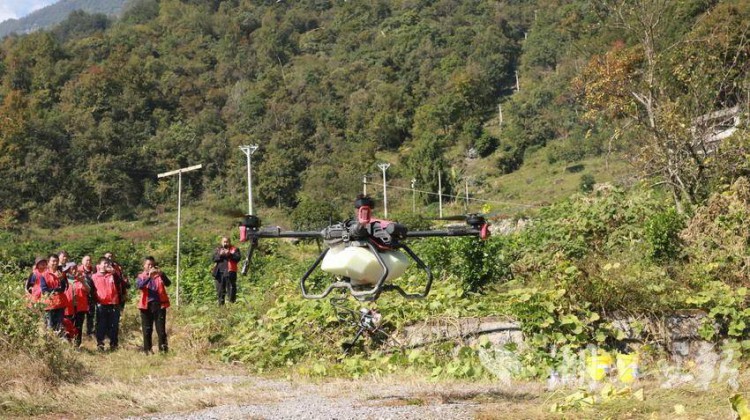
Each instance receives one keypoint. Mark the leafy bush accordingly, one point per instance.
(28, 349)
(476, 263)
(662, 234)
(716, 236)
(587, 183)
(486, 144)
(312, 215)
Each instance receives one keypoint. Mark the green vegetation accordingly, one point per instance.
(629, 209)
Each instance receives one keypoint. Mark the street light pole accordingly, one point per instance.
(179, 216)
(466, 191)
(440, 194)
(413, 196)
(383, 167)
(249, 150)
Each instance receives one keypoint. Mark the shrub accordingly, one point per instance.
(486, 144)
(662, 234)
(29, 350)
(310, 214)
(587, 183)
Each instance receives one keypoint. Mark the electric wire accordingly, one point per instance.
(457, 197)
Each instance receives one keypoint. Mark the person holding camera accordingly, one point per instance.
(78, 300)
(226, 258)
(123, 284)
(153, 304)
(86, 270)
(53, 285)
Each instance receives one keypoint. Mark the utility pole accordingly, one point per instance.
(440, 194)
(364, 185)
(384, 167)
(249, 150)
(413, 196)
(499, 115)
(518, 85)
(179, 207)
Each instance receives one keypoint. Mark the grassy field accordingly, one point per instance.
(537, 183)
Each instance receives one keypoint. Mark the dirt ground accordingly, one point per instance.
(190, 385)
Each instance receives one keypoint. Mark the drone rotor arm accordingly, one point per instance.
(278, 233)
(463, 231)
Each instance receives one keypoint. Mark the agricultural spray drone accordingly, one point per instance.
(364, 255)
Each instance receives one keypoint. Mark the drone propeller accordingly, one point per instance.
(454, 218)
(236, 213)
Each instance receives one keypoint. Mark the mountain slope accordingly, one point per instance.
(57, 12)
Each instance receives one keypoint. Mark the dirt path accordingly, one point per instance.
(363, 399)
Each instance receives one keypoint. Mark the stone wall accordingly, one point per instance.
(676, 333)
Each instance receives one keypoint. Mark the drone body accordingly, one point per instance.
(364, 254)
(360, 265)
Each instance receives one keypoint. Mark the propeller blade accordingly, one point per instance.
(232, 212)
(455, 218)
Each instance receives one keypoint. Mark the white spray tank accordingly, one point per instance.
(361, 266)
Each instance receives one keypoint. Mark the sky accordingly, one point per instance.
(14, 9)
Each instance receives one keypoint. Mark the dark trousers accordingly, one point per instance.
(54, 318)
(78, 322)
(154, 315)
(107, 325)
(90, 316)
(226, 285)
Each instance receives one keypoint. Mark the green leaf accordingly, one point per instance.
(740, 406)
(569, 319)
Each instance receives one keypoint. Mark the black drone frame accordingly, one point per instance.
(375, 234)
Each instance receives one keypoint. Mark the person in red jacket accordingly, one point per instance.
(153, 304)
(78, 299)
(226, 258)
(107, 305)
(34, 282)
(53, 285)
(122, 282)
(86, 270)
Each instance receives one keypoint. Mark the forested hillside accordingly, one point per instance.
(93, 110)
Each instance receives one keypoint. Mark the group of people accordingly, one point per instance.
(76, 294)
(72, 294)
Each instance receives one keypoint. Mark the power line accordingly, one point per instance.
(510, 203)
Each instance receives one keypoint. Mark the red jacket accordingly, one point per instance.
(54, 285)
(34, 286)
(106, 289)
(77, 294)
(231, 260)
(154, 285)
